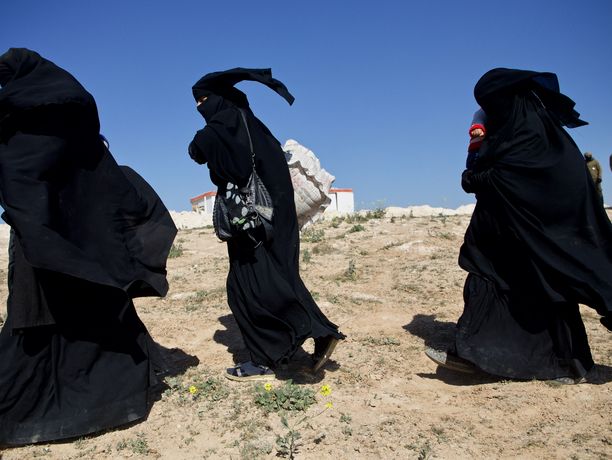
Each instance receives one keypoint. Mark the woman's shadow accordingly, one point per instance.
(440, 334)
(297, 369)
(167, 362)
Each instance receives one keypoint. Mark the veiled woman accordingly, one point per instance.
(87, 237)
(539, 242)
(272, 307)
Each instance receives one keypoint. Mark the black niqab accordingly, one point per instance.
(222, 83)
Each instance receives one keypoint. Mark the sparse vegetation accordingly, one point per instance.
(175, 251)
(391, 304)
(381, 341)
(350, 274)
(138, 445)
(313, 235)
(287, 397)
(323, 248)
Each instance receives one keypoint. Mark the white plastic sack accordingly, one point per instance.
(311, 183)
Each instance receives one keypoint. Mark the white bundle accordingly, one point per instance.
(311, 183)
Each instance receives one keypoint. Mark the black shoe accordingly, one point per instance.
(450, 361)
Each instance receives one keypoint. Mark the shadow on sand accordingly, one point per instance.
(441, 334)
(298, 369)
(168, 362)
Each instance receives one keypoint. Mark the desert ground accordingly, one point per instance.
(393, 286)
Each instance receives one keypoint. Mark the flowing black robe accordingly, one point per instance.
(272, 307)
(539, 241)
(87, 237)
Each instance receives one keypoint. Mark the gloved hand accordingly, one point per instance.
(466, 181)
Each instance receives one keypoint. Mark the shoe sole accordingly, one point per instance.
(434, 355)
(250, 378)
(326, 355)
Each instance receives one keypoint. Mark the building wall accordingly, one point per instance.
(205, 204)
(345, 202)
(341, 201)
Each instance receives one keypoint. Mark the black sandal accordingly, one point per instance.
(249, 371)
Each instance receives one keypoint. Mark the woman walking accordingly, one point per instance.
(272, 307)
(87, 236)
(539, 242)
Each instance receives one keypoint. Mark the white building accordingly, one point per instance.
(342, 201)
(204, 203)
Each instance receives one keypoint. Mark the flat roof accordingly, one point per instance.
(202, 196)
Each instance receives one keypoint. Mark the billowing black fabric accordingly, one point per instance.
(74, 210)
(89, 371)
(88, 236)
(539, 241)
(222, 83)
(273, 309)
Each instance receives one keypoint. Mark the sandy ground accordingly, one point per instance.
(394, 287)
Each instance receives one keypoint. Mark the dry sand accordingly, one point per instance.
(394, 287)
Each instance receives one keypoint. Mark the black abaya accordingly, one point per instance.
(272, 307)
(538, 243)
(88, 237)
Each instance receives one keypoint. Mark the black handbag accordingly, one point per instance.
(244, 210)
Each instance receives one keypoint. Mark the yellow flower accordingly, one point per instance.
(268, 386)
(325, 390)
(329, 405)
(193, 389)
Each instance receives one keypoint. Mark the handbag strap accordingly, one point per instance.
(246, 125)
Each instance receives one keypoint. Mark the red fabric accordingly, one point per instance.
(477, 126)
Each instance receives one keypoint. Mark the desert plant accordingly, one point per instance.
(175, 251)
(313, 235)
(351, 272)
(377, 213)
(138, 445)
(288, 397)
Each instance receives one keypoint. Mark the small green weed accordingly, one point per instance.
(355, 218)
(287, 446)
(313, 235)
(138, 445)
(381, 341)
(288, 397)
(210, 388)
(336, 221)
(356, 228)
(175, 251)
(351, 272)
(377, 213)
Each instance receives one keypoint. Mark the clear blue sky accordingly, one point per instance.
(383, 89)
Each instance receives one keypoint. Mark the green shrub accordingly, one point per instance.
(313, 235)
(287, 397)
(175, 251)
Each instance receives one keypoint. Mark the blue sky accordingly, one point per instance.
(383, 89)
